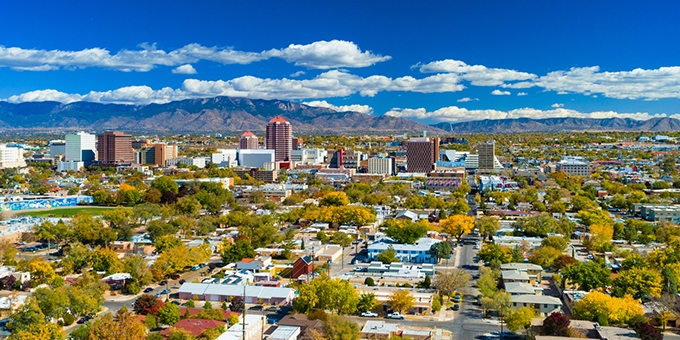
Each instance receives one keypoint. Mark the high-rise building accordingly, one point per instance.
(279, 138)
(115, 148)
(297, 143)
(337, 159)
(420, 155)
(11, 157)
(487, 156)
(57, 147)
(248, 141)
(382, 166)
(81, 147)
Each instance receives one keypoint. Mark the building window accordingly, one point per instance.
(545, 305)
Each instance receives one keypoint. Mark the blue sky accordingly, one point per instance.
(431, 61)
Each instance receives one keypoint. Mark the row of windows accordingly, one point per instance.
(514, 304)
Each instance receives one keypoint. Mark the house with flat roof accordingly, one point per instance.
(520, 288)
(376, 329)
(285, 333)
(508, 276)
(226, 292)
(414, 253)
(533, 270)
(542, 304)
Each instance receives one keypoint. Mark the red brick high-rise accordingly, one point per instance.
(248, 141)
(279, 138)
(421, 154)
(115, 148)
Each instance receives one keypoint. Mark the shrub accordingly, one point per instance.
(69, 319)
(369, 282)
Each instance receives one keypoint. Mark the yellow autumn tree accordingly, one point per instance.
(600, 307)
(457, 225)
(601, 234)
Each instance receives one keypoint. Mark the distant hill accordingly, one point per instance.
(561, 125)
(220, 114)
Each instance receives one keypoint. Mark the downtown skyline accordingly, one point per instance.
(447, 61)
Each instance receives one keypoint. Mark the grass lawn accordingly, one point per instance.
(66, 212)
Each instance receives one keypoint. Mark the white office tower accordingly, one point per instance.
(11, 157)
(308, 156)
(255, 158)
(81, 151)
(224, 158)
(381, 166)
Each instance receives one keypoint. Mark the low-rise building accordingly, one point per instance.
(377, 329)
(533, 270)
(225, 292)
(542, 304)
(415, 253)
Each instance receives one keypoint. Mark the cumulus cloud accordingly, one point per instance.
(500, 93)
(342, 108)
(477, 75)
(317, 55)
(329, 84)
(520, 94)
(467, 99)
(459, 114)
(297, 74)
(557, 105)
(185, 69)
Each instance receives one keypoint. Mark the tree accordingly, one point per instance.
(326, 293)
(404, 232)
(563, 261)
(166, 242)
(125, 326)
(487, 226)
(28, 322)
(369, 282)
(600, 307)
(118, 217)
(646, 331)
(140, 273)
(638, 282)
(147, 304)
(337, 328)
(9, 251)
(495, 253)
(520, 319)
(588, 275)
(457, 225)
(426, 283)
(169, 314)
(54, 303)
(321, 236)
(556, 324)
(544, 256)
(440, 250)
(105, 260)
(538, 225)
(237, 251)
(452, 281)
(334, 198)
(150, 322)
(488, 281)
(388, 256)
(556, 242)
(401, 300)
(76, 258)
(367, 301)
(165, 184)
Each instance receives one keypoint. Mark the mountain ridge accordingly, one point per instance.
(216, 114)
(564, 124)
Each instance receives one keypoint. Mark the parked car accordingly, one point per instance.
(256, 307)
(83, 320)
(174, 276)
(369, 314)
(182, 281)
(456, 298)
(148, 290)
(455, 307)
(163, 283)
(273, 309)
(395, 315)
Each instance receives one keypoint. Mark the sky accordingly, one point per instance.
(432, 61)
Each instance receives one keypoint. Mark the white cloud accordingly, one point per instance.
(557, 105)
(520, 94)
(45, 96)
(467, 99)
(317, 55)
(342, 108)
(477, 75)
(458, 114)
(185, 69)
(297, 74)
(500, 93)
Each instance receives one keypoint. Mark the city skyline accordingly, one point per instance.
(444, 62)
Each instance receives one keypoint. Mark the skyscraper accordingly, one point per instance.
(115, 148)
(279, 138)
(420, 155)
(487, 156)
(248, 141)
(81, 147)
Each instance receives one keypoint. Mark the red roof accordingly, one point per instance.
(194, 326)
(248, 134)
(278, 119)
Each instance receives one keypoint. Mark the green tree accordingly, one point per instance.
(165, 184)
(150, 322)
(237, 251)
(494, 253)
(450, 282)
(388, 256)
(326, 293)
(556, 242)
(588, 275)
(487, 226)
(638, 282)
(169, 314)
(337, 328)
(334, 199)
(367, 301)
(520, 319)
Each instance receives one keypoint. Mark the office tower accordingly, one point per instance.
(115, 148)
(163, 152)
(382, 166)
(57, 147)
(248, 141)
(297, 143)
(81, 147)
(337, 160)
(279, 138)
(420, 155)
(486, 156)
(11, 157)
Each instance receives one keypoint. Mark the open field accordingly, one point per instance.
(64, 212)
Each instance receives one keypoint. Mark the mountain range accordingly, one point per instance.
(231, 114)
(220, 114)
(566, 124)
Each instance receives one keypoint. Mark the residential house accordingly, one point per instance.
(533, 270)
(285, 333)
(520, 288)
(302, 266)
(305, 324)
(508, 276)
(379, 330)
(542, 304)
